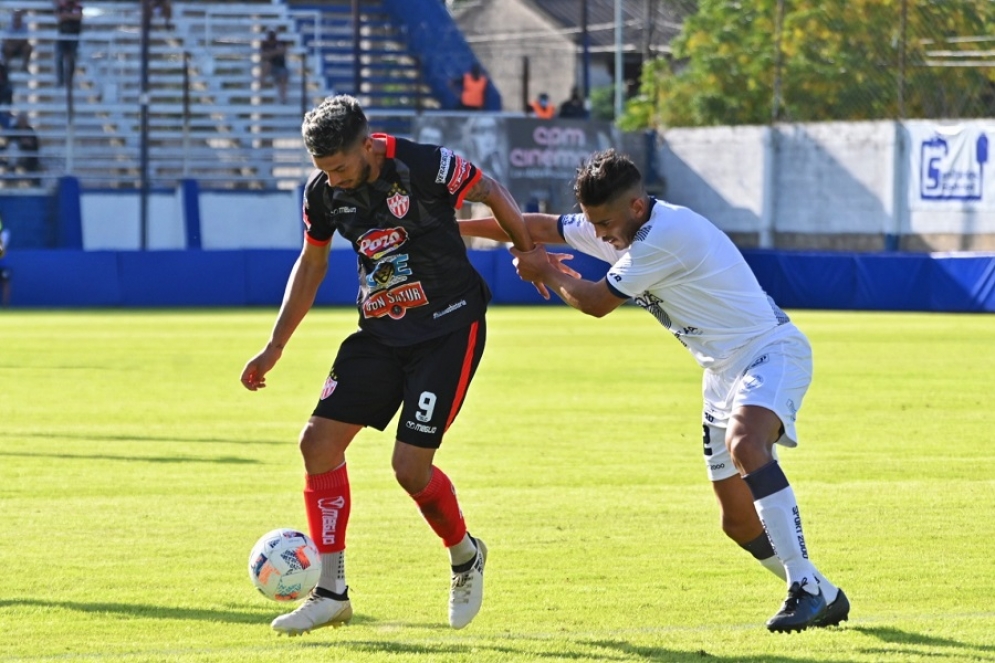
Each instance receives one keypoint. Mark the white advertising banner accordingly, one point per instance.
(950, 166)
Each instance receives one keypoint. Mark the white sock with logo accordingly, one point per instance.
(780, 516)
(777, 507)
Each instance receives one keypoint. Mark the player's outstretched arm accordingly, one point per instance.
(542, 228)
(590, 297)
(302, 286)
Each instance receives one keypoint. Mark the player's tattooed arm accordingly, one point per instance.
(480, 191)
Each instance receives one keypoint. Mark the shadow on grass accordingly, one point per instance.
(224, 460)
(434, 650)
(145, 611)
(537, 649)
(631, 652)
(100, 437)
(910, 639)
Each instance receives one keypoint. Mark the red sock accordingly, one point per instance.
(327, 500)
(441, 509)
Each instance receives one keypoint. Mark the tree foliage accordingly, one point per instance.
(837, 61)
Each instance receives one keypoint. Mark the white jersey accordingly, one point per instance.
(692, 278)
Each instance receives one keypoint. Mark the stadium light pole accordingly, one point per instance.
(619, 73)
(143, 99)
(586, 46)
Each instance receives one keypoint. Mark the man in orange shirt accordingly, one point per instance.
(472, 89)
(541, 107)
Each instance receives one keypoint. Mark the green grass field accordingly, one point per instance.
(136, 473)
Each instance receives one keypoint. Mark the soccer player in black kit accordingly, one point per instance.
(421, 335)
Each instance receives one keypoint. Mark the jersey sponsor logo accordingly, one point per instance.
(395, 302)
(379, 241)
(444, 160)
(461, 169)
(390, 271)
(343, 210)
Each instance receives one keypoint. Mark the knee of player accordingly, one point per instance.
(412, 477)
(310, 443)
(747, 450)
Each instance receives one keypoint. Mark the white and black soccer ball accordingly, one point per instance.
(284, 565)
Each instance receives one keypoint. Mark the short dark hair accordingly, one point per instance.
(605, 176)
(334, 125)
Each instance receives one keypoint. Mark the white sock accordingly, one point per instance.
(773, 564)
(780, 516)
(462, 552)
(829, 590)
(333, 572)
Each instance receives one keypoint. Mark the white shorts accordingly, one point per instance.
(776, 378)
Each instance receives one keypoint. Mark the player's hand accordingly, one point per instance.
(556, 260)
(530, 265)
(254, 373)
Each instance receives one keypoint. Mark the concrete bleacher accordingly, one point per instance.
(389, 74)
(228, 129)
(210, 115)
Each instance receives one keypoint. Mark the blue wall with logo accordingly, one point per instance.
(73, 278)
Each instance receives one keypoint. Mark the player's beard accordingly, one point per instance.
(361, 180)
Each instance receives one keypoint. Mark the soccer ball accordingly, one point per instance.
(284, 565)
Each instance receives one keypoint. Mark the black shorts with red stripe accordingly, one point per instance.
(428, 381)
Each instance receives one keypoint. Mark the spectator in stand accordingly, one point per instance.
(471, 88)
(163, 8)
(273, 55)
(24, 156)
(15, 41)
(541, 108)
(69, 17)
(574, 106)
(6, 94)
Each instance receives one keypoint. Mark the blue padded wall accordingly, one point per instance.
(75, 278)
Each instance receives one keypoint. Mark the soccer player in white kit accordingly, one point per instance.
(757, 364)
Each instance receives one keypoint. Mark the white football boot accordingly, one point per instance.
(316, 612)
(467, 590)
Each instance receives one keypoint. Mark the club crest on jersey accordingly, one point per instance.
(398, 201)
(380, 241)
(330, 383)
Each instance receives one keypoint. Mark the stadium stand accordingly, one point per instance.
(210, 116)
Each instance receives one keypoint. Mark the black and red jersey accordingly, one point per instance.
(415, 279)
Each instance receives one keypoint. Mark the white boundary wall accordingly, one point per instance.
(916, 184)
(885, 179)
